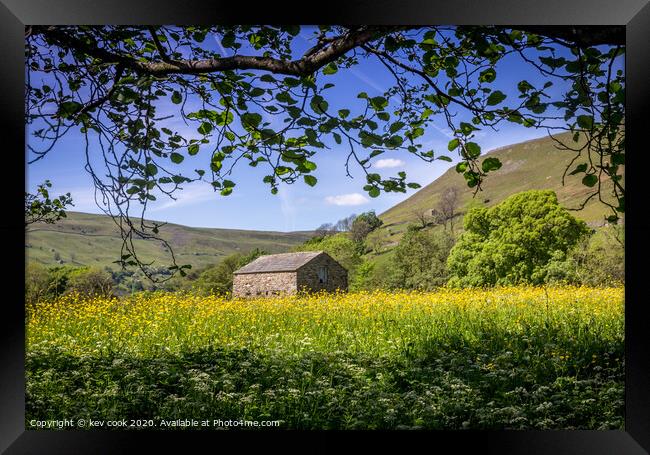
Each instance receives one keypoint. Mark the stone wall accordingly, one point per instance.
(263, 284)
(337, 276)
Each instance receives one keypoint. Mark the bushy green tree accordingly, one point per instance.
(363, 225)
(59, 276)
(420, 259)
(90, 282)
(362, 278)
(514, 241)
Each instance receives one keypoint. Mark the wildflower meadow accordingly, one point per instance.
(504, 358)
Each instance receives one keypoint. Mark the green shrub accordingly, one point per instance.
(37, 283)
(420, 260)
(90, 282)
(598, 260)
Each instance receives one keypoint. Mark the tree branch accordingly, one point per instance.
(304, 66)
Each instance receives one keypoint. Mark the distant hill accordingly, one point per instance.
(88, 239)
(534, 164)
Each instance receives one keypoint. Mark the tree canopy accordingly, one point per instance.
(253, 97)
(514, 241)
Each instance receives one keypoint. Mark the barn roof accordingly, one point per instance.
(285, 262)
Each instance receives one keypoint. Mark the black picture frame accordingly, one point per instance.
(633, 14)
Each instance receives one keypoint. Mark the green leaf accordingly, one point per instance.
(256, 91)
(496, 97)
(413, 185)
(378, 103)
(68, 108)
(618, 158)
(250, 120)
(293, 30)
(444, 158)
(453, 144)
(310, 180)
(216, 162)
(573, 67)
(585, 122)
(177, 98)
(291, 81)
(309, 165)
(396, 127)
(205, 128)
(318, 104)
(473, 149)
(524, 86)
(225, 119)
(177, 158)
(331, 68)
(193, 149)
(394, 141)
(151, 169)
(226, 191)
(490, 164)
(373, 192)
(590, 180)
(466, 128)
(579, 168)
(343, 113)
(487, 75)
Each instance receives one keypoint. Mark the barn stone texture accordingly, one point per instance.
(289, 272)
(337, 276)
(256, 284)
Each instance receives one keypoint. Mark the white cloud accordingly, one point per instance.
(190, 195)
(347, 199)
(389, 162)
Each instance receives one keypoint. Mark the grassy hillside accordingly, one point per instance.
(535, 164)
(87, 239)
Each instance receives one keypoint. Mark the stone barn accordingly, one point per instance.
(289, 272)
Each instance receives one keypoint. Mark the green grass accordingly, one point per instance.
(87, 239)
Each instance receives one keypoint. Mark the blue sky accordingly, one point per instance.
(297, 206)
